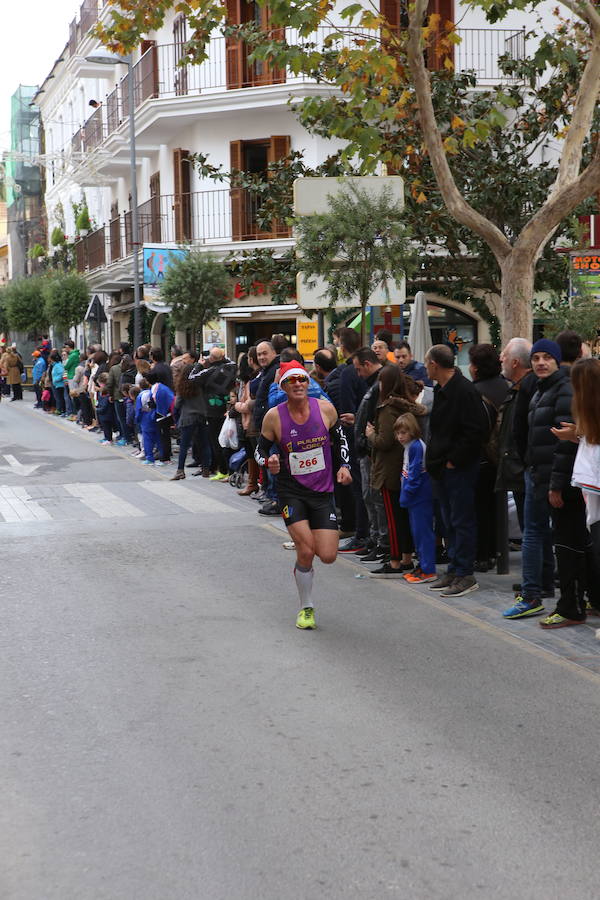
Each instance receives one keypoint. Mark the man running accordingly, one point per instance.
(310, 446)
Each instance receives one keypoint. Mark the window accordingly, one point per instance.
(395, 12)
(180, 40)
(240, 71)
(255, 157)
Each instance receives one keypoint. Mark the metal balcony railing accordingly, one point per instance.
(203, 217)
(158, 73)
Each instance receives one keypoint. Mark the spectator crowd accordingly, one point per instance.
(434, 454)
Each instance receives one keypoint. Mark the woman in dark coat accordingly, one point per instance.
(396, 396)
(190, 411)
(485, 369)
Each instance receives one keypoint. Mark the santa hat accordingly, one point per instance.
(287, 369)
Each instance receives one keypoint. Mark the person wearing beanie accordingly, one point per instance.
(550, 497)
(303, 444)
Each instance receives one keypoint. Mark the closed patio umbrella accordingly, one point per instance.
(419, 335)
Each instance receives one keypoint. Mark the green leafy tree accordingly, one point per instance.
(360, 243)
(23, 301)
(385, 109)
(195, 287)
(66, 298)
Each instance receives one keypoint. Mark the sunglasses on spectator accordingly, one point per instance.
(296, 379)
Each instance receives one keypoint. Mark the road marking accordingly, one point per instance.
(17, 506)
(102, 502)
(17, 468)
(186, 498)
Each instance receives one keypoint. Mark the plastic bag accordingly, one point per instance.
(228, 436)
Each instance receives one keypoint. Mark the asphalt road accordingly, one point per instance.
(166, 733)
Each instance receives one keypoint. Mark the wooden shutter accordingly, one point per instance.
(180, 41)
(234, 51)
(445, 10)
(279, 147)
(391, 10)
(181, 195)
(146, 82)
(275, 75)
(236, 158)
(155, 223)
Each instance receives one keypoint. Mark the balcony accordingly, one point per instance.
(159, 76)
(78, 30)
(203, 217)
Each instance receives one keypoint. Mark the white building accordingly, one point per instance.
(237, 114)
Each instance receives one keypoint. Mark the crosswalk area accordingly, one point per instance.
(118, 500)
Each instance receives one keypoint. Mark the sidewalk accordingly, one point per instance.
(576, 645)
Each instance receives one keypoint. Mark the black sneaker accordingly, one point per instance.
(386, 571)
(351, 545)
(271, 508)
(373, 556)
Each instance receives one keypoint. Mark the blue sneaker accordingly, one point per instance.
(521, 609)
(147, 462)
(121, 442)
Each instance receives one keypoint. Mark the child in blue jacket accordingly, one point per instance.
(416, 496)
(145, 417)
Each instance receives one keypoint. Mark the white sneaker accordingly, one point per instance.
(288, 545)
(159, 462)
(140, 454)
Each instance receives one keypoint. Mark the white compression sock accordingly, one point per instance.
(304, 582)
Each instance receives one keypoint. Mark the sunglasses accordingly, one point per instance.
(296, 379)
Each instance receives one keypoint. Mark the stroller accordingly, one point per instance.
(238, 467)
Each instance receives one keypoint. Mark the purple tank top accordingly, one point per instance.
(307, 448)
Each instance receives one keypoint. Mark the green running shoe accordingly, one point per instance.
(558, 621)
(306, 618)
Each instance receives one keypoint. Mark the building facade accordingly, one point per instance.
(236, 113)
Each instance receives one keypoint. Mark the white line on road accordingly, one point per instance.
(102, 502)
(16, 467)
(181, 496)
(17, 506)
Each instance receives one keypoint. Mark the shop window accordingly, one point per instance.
(254, 157)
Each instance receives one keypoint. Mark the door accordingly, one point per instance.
(181, 196)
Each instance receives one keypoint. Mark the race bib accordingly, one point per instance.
(306, 462)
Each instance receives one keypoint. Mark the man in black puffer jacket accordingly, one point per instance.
(549, 495)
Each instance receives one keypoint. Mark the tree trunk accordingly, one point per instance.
(516, 298)
(363, 323)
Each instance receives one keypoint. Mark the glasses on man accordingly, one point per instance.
(296, 379)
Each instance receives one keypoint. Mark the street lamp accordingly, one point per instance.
(105, 58)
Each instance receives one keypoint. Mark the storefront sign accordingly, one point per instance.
(307, 338)
(585, 275)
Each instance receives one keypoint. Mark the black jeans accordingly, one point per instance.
(577, 570)
(164, 430)
(17, 391)
(59, 396)
(215, 423)
(201, 451)
(87, 410)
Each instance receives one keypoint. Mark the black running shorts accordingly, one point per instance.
(316, 509)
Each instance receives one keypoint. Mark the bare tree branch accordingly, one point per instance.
(585, 11)
(541, 226)
(581, 120)
(457, 206)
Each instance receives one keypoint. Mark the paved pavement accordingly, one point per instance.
(167, 732)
